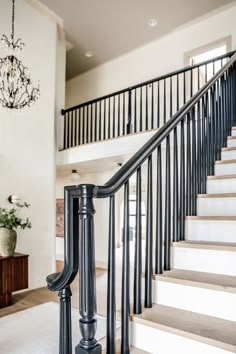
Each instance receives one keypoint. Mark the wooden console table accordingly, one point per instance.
(13, 276)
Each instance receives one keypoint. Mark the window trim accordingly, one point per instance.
(204, 48)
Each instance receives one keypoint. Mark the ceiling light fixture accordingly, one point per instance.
(16, 88)
(152, 22)
(74, 175)
(88, 54)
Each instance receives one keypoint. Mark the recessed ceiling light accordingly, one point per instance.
(152, 22)
(88, 54)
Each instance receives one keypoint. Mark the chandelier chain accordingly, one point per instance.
(13, 20)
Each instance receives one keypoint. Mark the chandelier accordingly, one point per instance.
(16, 88)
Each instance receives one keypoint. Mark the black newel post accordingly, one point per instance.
(87, 275)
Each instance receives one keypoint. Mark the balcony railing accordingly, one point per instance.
(140, 108)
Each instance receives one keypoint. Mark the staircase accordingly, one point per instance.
(194, 303)
(183, 287)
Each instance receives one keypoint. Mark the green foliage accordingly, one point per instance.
(10, 219)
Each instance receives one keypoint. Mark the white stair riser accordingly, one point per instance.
(217, 186)
(195, 299)
(225, 169)
(228, 155)
(211, 230)
(231, 142)
(157, 341)
(233, 132)
(204, 260)
(216, 206)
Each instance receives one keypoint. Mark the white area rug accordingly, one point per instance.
(36, 330)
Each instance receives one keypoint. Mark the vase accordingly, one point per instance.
(7, 242)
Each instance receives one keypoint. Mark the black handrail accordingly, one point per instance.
(148, 82)
(132, 165)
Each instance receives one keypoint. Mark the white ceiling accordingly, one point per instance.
(110, 28)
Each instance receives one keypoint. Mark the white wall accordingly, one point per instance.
(159, 57)
(27, 138)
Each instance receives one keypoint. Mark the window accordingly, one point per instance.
(207, 55)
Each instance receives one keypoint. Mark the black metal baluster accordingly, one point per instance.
(135, 111)
(227, 104)
(188, 162)
(87, 124)
(91, 124)
(175, 190)
(100, 122)
(231, 98)
(87, 274)
(79, 127)
(222, 129)
(208, 135)
(164, 108)
(109, 118)
(146, 118)
(123, 114)
(111, 282)
(159, 225)
(194, 142)
(152, 124)
(191, 82)
(167, 232)
(182, 184)
(215, 121)
(234, 91)
(141, 110)
(212, 135)
(184, 88)
(129, 124)
(218, 123)
(204, 147)
(96, 122)
(138, 246)
(198, 79)
(149, 239)
(66, 130)
(114, 117)
(83, 138)
(177, 93)
(72, 129)
(76, 129)
(125, 293)
(104, 119)
(118, 116)
(158, 104)
(69, 130)
(199, 155)
(170, 99)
